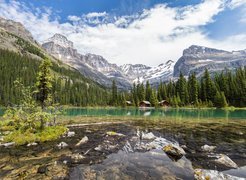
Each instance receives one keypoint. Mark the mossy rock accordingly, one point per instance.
(173, 151)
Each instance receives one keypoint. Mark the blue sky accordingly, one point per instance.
(134, 31)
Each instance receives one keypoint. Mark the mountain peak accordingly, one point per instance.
(195, 49)
(61, 40)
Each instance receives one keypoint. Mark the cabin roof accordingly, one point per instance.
(145, 102)
(163, 101)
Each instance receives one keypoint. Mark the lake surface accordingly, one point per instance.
(169, 112)
(176, 113)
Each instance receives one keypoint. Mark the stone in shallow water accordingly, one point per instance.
(174, 151)
(42, 169)
(208, 148)
(225, 160)
(70, 133)
(98, 148)
(62, 145)
(77, 157)
(202, 174)
(82, 141)
(148, 136)
(32, 144)
(7, 144)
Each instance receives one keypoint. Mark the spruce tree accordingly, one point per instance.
(220, 100)
(209, 86)
(114, 99)
(181, 89)
(148, 91)
(44, 83)
(193, 89)
(153, 99)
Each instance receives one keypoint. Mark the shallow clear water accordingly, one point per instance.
(120, 157)
(178, 113)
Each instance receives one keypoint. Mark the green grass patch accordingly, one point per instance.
(48, 134)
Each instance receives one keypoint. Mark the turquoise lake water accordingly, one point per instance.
(179, 113)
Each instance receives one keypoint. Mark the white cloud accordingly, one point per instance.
(96, 14)
(151, 37)
(73, 18)
(235, 3)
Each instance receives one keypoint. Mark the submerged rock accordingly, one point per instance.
(7, 144)
(225, 160)
(62, 145)
(77, 157)
(82, 141)
(98, 148)
(70, 133)
(202, 174)
(148, 136)
(32, 144)
(174, 151)
(208, 148)
(42, 169)
(112, 133)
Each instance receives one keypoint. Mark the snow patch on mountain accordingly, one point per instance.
(154, 75)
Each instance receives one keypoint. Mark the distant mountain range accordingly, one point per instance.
(100, 70)
(194, 59)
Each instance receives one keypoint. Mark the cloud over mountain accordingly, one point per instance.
(151, 36)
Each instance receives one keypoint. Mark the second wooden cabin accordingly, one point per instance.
(164, 103)
(144, 104)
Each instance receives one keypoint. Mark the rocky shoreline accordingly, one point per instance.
(127, 151)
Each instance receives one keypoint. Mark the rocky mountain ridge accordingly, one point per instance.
(60, 47)
(91, 65)
(198, 58)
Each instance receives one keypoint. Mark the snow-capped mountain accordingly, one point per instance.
(198, 58)
(100, 70)
(61, 41)
(134, 71)
(194, 59)
(90, 65)
(155, 75)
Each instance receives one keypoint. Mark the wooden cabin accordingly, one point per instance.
(144, 104)
(164, 103)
